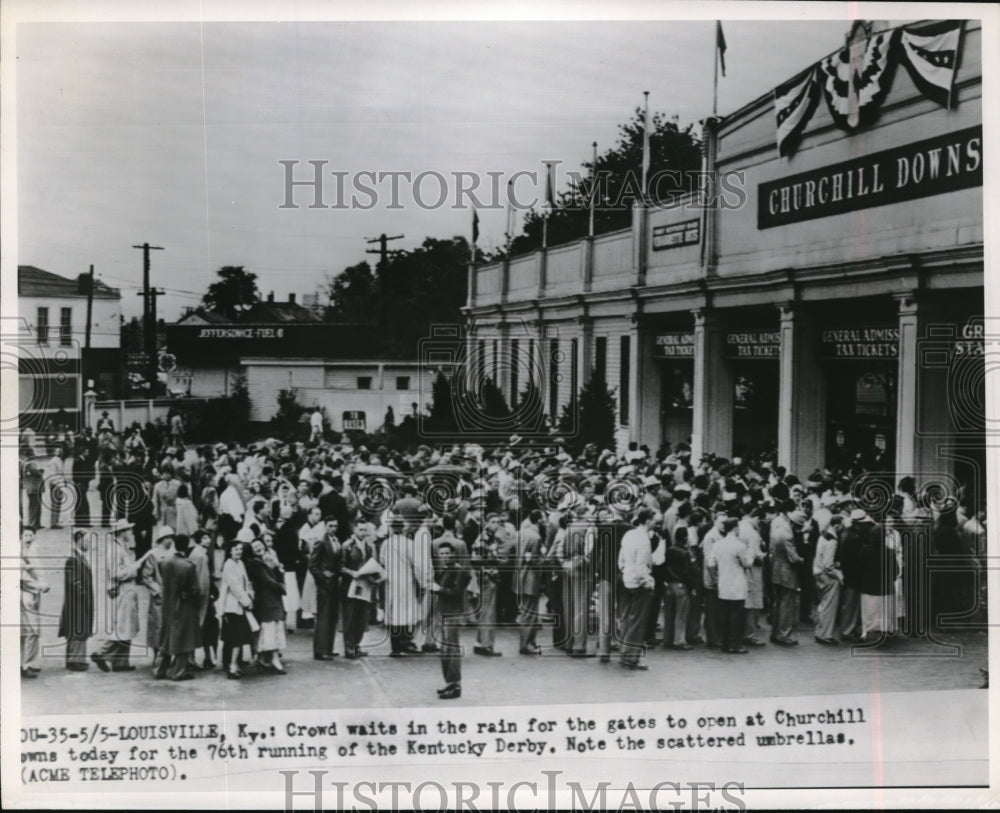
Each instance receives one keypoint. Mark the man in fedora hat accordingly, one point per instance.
(105, 424)
(121, 570)
(181, 628)
(487, 561)
(77, 619)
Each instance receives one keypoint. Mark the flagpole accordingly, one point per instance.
(475, 235)
(646, 157)
(510, 216)
(549, 201)
(715, 81)
(593, 193)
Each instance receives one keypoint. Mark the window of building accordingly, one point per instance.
(513, 372)
(601, 357)
(554, 380)
(364, 382)
(623, 380)
(65, 326)
(402, 382)
(574, 371)
(42, 325)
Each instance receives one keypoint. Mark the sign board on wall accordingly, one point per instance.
(931, 167)
(673, 345)
(355, 420)
(753, 344)
(292, 340)
(860, 343)
(674, 235)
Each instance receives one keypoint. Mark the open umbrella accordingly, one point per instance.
(447, 468)
(369, 470)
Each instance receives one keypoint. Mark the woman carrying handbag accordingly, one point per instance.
(235, 603)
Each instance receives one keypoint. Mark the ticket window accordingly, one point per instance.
(755, 406)
(676, 400)
(861, 415)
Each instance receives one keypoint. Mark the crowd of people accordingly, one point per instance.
(214, 554)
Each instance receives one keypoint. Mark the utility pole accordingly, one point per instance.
(382, 250)
(90, 305)
(383, 265)
(149, 317)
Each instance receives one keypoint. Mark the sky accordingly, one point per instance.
(171, 133)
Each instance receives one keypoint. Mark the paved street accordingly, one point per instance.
(381, 681)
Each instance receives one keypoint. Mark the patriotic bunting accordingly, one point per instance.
(930, 54)
(856, 79)
(794, 104)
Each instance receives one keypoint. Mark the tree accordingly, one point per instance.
(235, 290)
(675, 157)
(352, 289)
(494, 404)
(131, 336)
(286, 420)
(530, 410)
(442, 417)
(595, 418)
(418, 289)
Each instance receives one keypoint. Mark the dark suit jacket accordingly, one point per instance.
(530, 570)
(268, 590)
(453, 580)
(181, 630)
(333, 504)
(324, 564)
(77, 619)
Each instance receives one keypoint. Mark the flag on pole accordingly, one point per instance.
(720, 45)
(930, 53)
(794, 104)
(511, 222)
(550, 184)
(645, 144)
(549, 204)
(594, 186)
(475, 230)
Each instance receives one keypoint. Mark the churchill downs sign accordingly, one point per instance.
(942, 164)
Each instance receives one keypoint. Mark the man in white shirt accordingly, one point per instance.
(231, 510)
(316, 426)
(828, 579)
(635, 561)
(728, 559)
(710, 579)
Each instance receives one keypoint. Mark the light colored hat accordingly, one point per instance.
(165, 532)
(568, 502)
(858, 513)
(650, 480)
(121, 525)
(244, 535)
